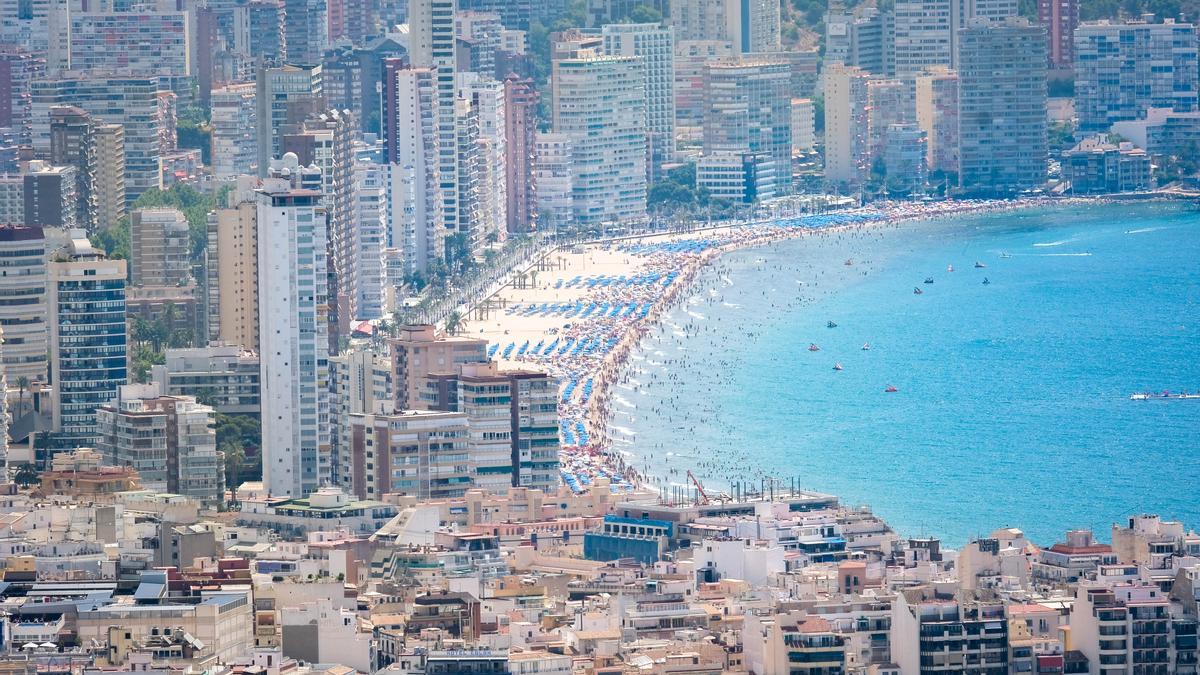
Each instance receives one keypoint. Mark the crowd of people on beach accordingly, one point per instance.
(595, 348)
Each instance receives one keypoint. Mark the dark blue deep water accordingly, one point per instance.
(1013, 402)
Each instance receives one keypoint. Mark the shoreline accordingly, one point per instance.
(586, 450)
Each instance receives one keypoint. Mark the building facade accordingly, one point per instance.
(88, 352)
(1002, 104)
(293, 341)
(655, 45)
(23, 315)
(1122, 70)
(160, 247)
(170, 441)
(599, 104)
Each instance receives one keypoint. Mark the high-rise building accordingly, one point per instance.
(863, 38)
(360, 381)
(88, 354)
(487, 100)
(655, 45)
(23, 302)
(1061, 18)
(512, 422)
(234, 131)
(283, 95)
(804, 135)
(1122, 70)
(306, 31)
(293, 306)
(110, 174)
(924, 36)
(324, 140)
(552, 173)
(478, 40)
(432, 45)
(888, 103)
(72, 143)
(132, 42)
(937, 114)
(421, 453)
(369, 236)
(411, 146)
(926, 32)
(18, 70)
(39, 26)
(264, 35)
(904, 156)
(747, 111)
(1003, 144)
(467, 236)
(159, 247)
(139, 104)
(520, 134)
(847, 151)
(599, 105)
(49, 195)
(170, 440)
(749, 26)
(691, 59)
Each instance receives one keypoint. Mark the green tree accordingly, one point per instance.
(22, 387)
(645, 14)
(455, 323)
(26, 475)
(243, 432)
(235, 457)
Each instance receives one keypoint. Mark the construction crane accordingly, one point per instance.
(699, 488)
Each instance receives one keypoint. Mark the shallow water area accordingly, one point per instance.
(1012, 396)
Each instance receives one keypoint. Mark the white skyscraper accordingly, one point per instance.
(749, 26)
(486, 96)
(416, 229)
(234, 132)
(846, 124)
(656, 47)
(368, 233)
(599, 105)
(293, 344)
(926, 31)
(432, 43)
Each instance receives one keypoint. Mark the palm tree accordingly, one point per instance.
(22, 386)
(235, 456)
(27, 474)
(455, 323)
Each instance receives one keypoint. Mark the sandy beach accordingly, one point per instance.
(581, 311)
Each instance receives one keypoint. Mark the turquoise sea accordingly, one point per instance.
(1012, 405)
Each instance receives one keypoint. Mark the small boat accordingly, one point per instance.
(917, 290)
(985, 281)
(866, 346)
(1005, 255)
(814, 348)
(831, 325)
(849, 262)
(929, 280)
(949, 268)
(890, 390)
(837, 366)
(979, 265)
